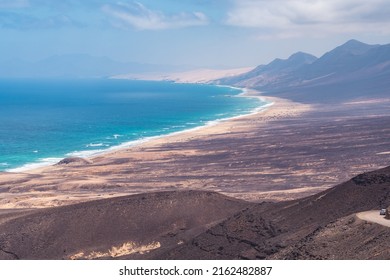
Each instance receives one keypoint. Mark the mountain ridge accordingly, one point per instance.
(284, 230)
(337, 70)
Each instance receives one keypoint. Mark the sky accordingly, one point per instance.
(199, 33)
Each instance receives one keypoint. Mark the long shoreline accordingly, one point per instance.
(67, 184)
(208, 124)
(148, 141)
(275, 106)
(91, 154)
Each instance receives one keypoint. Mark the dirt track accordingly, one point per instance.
(374, 217)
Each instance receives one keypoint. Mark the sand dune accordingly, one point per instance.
(193, 76)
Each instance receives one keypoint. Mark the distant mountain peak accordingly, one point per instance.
(355, 47)
(301, 54)
(346, 65)
(302, 57)
(354, 42)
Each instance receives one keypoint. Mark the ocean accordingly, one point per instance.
(44, 121)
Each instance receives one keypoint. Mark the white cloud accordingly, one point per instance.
(138, 16)
(299, 18)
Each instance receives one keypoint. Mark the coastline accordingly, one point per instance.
(198, 130)
(107, 175)
(91, 154)
(218, 125)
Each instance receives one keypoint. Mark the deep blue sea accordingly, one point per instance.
(43, 121)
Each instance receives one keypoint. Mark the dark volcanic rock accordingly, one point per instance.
(264, 230)
(74, 160)
(347, 238)
(371, 178)
(96, 229)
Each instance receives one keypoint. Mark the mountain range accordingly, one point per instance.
(352, 70)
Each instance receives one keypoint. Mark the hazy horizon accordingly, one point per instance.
(194, 33)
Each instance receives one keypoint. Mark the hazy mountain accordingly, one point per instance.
(77, 65)
(347, 58)
(352, 67)
(294, 62)
(277, 70)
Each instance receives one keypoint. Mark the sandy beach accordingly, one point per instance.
(118, 172)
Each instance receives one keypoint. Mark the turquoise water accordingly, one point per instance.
(43, 121)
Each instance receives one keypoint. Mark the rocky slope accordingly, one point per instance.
(273, 230)
(352, 70)
(206, 225)
(114, 227)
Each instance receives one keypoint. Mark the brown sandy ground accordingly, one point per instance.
(289, 151)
